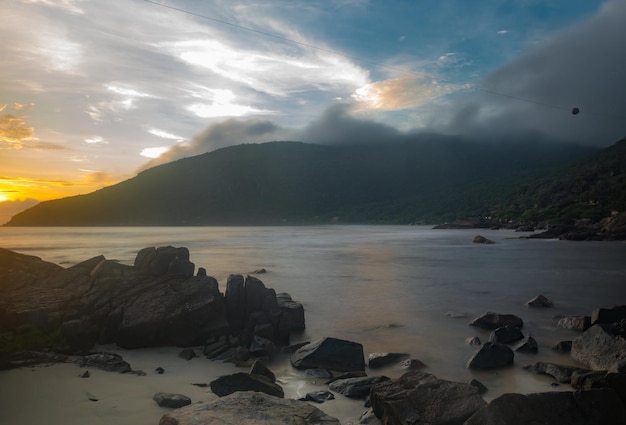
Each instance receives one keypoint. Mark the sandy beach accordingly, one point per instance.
(56, 394)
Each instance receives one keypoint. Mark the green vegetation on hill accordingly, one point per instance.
(427, 179)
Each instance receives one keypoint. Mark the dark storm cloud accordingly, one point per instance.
(534, 94)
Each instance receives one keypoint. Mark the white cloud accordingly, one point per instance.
(69, 6)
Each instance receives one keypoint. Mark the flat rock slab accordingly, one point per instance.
(356, 387)
(330, 353)
(491, 321)
(249, 408)
(241, 381)
(171, 400)
(419, 398)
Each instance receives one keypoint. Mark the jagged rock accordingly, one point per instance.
(258, 368)
(229, 384)
(539, 301)
(595, 407)
(528, 345)
(249, 408)
(293, 309)
(261, 347)
(491, 356)
(506, 335)
(377, 360)
(586, 380)
(318, 373)
(163, 261)
(474, 340)
(599, 347)
(411, 364)
(481, 239)
(173, 401)
(482, 389)
(576, 323)
(352, 374)
(608, 315)
(421, 398)
(356, 387)
(563, 347)
(561, 373)
(330, 353)
(492, 321)
(319, 396)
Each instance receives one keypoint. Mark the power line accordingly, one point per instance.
(382, 65)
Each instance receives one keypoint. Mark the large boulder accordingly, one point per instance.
(506, 334)
(491, 356)
(330, 353)
(421, 398)
(608, 315)
(600, 346)
(249, 408)
(165, 260)
(491, 321)
(561, 373)
(595, 407)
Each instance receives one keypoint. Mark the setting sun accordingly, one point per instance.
(3, 197)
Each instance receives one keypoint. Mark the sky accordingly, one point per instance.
(93, 91)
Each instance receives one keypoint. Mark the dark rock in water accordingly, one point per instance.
(293, 309)
(474, 340)
(608, 315)
(356, 387)
(249, 408)
(85, 374)
(595, 407)
(599, 347)
(352, 374)
(163, 261)
(482, 389)
(617, 381)
(187, 354)
(229, 384)
(481, 239)
(492, 321)
(563, 347)
(491, 356)
(319, 396)
(330, 353)
(376, 360)
(258, 368)
(110, 362)
(586, 380)
(506, 335)
(91, 397)
(539, 301)
(576, 323)
(318, 373)
(618, 367)
(261, 347)
(173, 401)
(561, 373)
(528, 345)
(421, 398)
(412, 364)
(159, 370)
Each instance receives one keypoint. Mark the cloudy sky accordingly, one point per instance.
(91, 91)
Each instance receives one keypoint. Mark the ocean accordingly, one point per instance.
(409, 289)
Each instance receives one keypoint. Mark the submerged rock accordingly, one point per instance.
(491, 356)
(492, 321)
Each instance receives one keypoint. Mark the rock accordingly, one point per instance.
(261, 347)
(258, 368)
(187, 354)
(482, 389)
(229, 384)
(599, 347)
(173, 401)
(377, 360)
(411, 364)
(506, 335)
(110, 362)
(234, 298)
(353, 374)
(29, 358)
(474, 340)
(492, 321)
(318, 373)
(596, 407)
(356, 387)
(561, 373)
(319, 396)
(249, 408)
(330, 353)
(563, 347)
(85, 374)
(455, 315)
(539, 301)
(608, 315)
(368, 417)
(528, 345)
(159, 370)
(421, 398)
(618, 367)
(481, 239)
(293, 309)
(491, 356)
(576, 323)
(586, 380)
(163, 261)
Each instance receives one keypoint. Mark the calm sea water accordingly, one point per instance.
(390, 288)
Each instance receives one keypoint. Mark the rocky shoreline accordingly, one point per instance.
(61, 313)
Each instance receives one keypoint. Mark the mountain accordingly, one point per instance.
(426, 179)
(591, 188)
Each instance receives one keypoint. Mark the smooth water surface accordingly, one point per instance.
(391, 288)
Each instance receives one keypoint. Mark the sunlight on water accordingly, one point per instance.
(387, 287)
